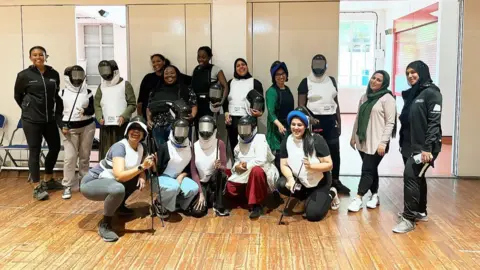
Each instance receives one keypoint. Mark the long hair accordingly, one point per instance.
(308, 142)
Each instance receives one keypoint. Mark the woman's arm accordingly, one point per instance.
(223, 154)
(131, 102)
(90, 110)
(19, 90)
(390, 112)
(142, 95)
(302, 92)
(325, 164)
(97, 105)
(223, 82)
(271, 100)
(123, 175)
(286, 171)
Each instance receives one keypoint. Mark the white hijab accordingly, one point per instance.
(208, 144)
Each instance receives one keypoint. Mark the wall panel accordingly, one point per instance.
(151, 33)
(265, 45)
(54, 30)
(11, 45)
(307, 29)
(249, 35)
(198, 32)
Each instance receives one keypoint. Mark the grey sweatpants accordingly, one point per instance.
(78, 145)
(112, 192)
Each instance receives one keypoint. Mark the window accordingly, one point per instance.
(98, 42)
(356, 52)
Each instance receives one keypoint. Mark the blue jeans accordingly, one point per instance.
(173, 194)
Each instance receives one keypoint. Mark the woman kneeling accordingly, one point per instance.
(117, 176)
(254, 172)
(177, 191)
(306, 164)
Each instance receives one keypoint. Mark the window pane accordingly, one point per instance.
(107, 53)
(93, 80)
(91, 34)
(92, 55)
(107, 34)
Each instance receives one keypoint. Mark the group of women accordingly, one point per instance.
(298, 156)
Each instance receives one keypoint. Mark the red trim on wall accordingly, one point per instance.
(408, 22)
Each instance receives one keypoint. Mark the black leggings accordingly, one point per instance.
(34, 132)
(213, 191)
(232, 131)
(369, 179)
(318, 199)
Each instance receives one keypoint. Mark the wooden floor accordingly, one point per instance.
(62, 234)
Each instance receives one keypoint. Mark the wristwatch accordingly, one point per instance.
(140, 168)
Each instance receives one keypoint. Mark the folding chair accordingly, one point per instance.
(13, 147)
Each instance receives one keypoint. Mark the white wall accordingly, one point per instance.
(120, 49)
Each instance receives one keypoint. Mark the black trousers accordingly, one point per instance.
(334, 147)
(369, 179)
(214, 194)
(232, 131)
(414, 188)
(318, 199)
(34, 132)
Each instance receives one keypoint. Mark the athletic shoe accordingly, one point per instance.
(373, 202)
(40, 193)
(67, 193)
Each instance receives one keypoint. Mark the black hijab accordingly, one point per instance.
(236, 75)
(424, 81)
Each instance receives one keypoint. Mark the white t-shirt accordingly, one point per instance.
(292, 150)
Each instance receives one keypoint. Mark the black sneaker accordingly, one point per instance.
(257, 211)
(40, 193)
(124, 211)
(53, 185)
(341, 189)
(160, 211)
(106, 233)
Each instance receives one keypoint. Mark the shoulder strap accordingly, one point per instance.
(334, 82)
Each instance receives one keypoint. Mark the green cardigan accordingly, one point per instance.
(129, 96)
(274, 137)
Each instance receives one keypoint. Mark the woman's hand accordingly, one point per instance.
(426, 157)
(102, 122)
(217, 164)
(306, 163)
(353, 143)
(121, 120)
(201, 203)
(290, 184)
(65, 130)
(256, 113)
(150, 124)
(381, 149)
(148, 162)
(228, 118)
(281, 129)
(241, 167)
(141, 183)
(180, 178)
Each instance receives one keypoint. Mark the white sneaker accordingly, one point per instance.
(67, 193)
(355, 205)
(335, 200)
(373, 202)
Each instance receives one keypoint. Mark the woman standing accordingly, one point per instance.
(150, 82)
(318, 92)
(253, 173)
(117, 176)
(158, 112)
(374, 125)
(78, 127)
(234, 106)
(114, 105)
(36, 92)
(420, 142)
(208, 165)
(306, 165)
(280, 102)
(204, 75)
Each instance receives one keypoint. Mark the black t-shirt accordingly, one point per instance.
(149, 83)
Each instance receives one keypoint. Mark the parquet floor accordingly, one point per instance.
(59, 234)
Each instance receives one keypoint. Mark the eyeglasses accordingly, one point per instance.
(280, 74)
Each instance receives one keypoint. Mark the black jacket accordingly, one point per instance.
(37, 94)
(423, 132)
